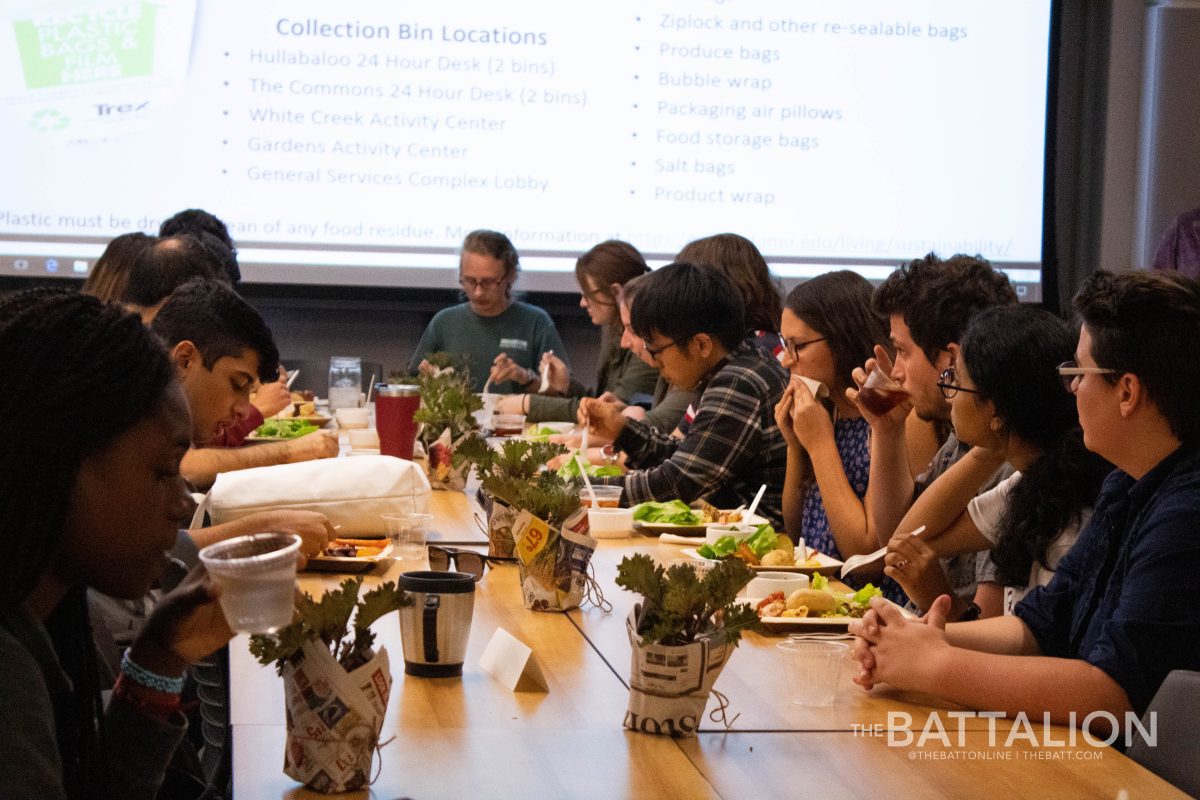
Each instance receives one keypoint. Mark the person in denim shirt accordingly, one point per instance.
(1119, 614)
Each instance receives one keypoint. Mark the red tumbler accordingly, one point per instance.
(395, 405)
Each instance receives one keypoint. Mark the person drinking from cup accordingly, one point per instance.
(601, 272)
(928, 303)
(501, 339)
(1010, 406)
(1119, 614)
(693, 325)
(828, 327)
(93, 504)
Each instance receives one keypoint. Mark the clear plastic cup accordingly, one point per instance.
(606, 496)
(407, 532)
(257, 576)
(508, 424)
(812, 670)
(879, 393)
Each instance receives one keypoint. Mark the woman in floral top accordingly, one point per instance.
(828, 328)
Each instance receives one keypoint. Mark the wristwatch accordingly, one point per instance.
(972, 613)
(608, 454)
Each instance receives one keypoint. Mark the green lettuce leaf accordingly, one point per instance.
(676, 512)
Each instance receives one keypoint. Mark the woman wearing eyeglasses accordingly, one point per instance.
(1011, 398)
(827, 327)
(501, 339)
(601, 273)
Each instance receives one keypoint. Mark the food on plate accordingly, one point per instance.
(570, 468)
(285, 428)
(303, 405)
(354, 548)
(674, 512)
(677, 512)
(764, 548)
(818, 601)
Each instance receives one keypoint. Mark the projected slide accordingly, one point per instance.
(356, 142)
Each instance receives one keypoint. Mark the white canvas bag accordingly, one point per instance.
(352, 492)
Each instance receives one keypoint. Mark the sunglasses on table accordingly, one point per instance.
(447, 559)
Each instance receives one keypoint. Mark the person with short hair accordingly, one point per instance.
(90, 505)
(501, 339)
(221, 349)
(929, 303)
(198, 222)
(693, 325)
(1119, 613)
(162, 268)
(601, 273)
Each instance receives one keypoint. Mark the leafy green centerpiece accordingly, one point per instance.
(534, 515)
(681, 634)
(447, 417)
(336, 686)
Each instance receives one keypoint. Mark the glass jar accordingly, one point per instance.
(345, 382)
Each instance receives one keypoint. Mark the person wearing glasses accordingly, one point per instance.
(928, 302)
(1010, 404)
(501, 339)
(692, 323)
(827, 328)
(1119, 614)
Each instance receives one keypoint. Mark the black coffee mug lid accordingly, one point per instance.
(430, 582)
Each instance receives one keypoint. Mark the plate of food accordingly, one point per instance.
(818, 608)
(280, 430)
(766, 550)
(679, 518)
(350, 555)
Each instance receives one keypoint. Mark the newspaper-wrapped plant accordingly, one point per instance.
(510, 481)
(447, 418)
(681, 634)
(336, 686)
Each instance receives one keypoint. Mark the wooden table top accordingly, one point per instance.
(471, 736)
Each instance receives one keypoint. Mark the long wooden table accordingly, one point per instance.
(471, 736)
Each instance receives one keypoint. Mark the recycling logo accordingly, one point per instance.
(48, 120)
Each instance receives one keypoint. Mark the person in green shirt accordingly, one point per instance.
(501, 339)
(601, 272)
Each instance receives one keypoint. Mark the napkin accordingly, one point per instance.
(671, 538)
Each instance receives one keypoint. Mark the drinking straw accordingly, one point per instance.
(371, 387)
(586, 482)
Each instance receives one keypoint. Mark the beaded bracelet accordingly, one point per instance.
(151, 680)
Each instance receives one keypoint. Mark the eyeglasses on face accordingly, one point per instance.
(1069, 372)
(948, 383)
(445, 559)
(794, 347)
(654, 352)
(487, 284)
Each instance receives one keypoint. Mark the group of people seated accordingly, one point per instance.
(1051, 467)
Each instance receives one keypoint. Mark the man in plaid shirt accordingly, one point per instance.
(693, 324)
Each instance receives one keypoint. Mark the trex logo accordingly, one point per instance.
(109, 109)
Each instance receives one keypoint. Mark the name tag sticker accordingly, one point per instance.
(514, 344)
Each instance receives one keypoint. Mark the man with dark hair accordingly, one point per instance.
(197, 221)
(928, 303)
(693, 324)
(1117, 616)
(501, 339)
(221, 348)
(162, 268)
